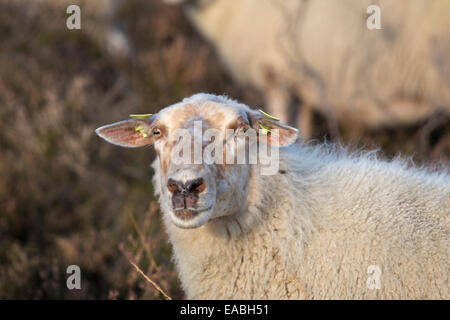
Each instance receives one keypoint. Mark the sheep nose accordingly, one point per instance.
(191, 186)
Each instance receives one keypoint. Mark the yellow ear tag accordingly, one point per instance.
(268, 115)
(266, 129)
(141, 116)
(141, 129)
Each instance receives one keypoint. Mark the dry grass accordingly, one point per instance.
(68, 198)
(153, 283)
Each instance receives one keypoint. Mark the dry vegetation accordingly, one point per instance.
(68, 198)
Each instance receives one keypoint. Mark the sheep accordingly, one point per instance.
(323, 54)
(328, 224)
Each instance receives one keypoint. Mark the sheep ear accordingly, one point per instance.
(128, 133)
(278, 134)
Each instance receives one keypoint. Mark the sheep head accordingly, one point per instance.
(204, 147)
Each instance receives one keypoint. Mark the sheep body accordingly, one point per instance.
(313, 230)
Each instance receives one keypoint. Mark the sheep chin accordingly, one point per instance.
(199, 219)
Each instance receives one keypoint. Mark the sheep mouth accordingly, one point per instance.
(188, 213)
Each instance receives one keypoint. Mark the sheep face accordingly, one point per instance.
(198, 142)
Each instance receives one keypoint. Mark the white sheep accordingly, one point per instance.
(322, 53)
(328, 225)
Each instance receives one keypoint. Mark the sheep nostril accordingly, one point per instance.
(197, 185)
(192, 186)
(173, 186)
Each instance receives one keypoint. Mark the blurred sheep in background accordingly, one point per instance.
(307, 55)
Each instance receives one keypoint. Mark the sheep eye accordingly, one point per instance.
(156, 132)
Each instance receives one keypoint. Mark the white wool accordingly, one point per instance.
(312, 231)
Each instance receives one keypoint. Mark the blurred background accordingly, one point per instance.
(68, 198)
